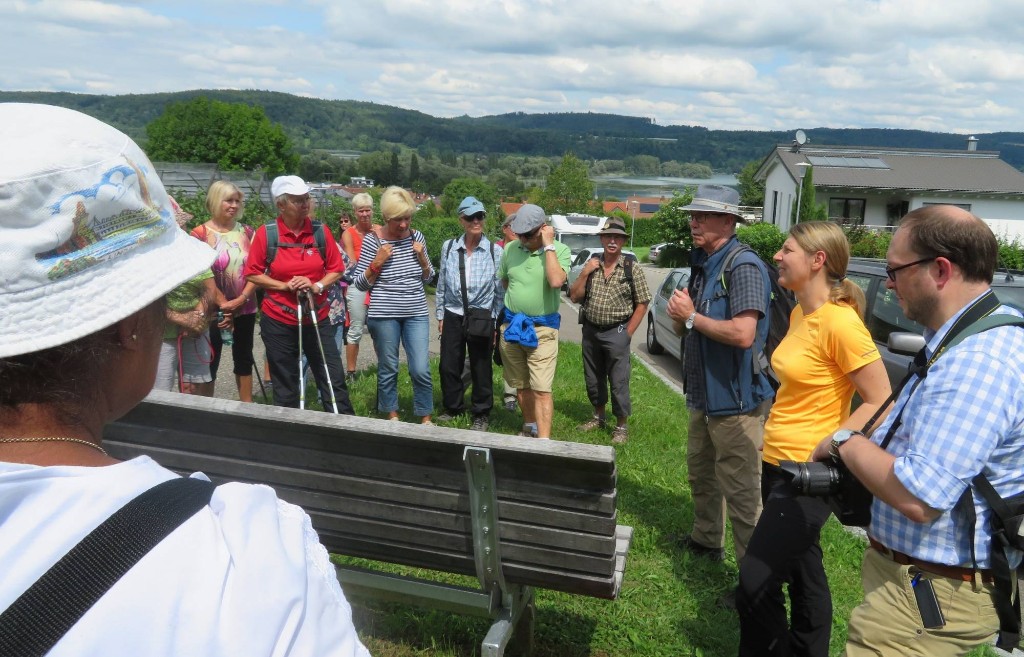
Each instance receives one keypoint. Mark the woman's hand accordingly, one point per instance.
(231, 306)
(384, 253)
(227, 322)
(299, 283)
(420, 250)
(193, 322)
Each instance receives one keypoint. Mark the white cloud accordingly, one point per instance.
(956, 65)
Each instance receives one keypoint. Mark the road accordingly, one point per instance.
(664, 366)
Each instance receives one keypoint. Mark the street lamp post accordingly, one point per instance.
(632, 226)
(801, 172)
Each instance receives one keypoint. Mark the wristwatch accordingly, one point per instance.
(690, 320)
(319, 287)
(838, 438)
(549, 247)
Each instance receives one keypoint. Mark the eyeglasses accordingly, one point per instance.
(528, 236)
(701, 218)
(479, 216)
(891, 271)
(299, 200)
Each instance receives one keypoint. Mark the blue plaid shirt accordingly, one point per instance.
(967, 416)
(483, 289)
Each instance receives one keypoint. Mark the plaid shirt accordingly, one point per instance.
(611, 301)
(746, 292)
(483, 289)
(966, 416)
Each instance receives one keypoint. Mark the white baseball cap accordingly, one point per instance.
(87, 232)
(288, 185)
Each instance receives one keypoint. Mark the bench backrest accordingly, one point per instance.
(398, 492)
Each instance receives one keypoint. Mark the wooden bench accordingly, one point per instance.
(515, 513)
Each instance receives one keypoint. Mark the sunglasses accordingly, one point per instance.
(479, 216)
(528, 236)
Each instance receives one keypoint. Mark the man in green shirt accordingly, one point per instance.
(533, 271)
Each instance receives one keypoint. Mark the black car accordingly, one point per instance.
(884, 317)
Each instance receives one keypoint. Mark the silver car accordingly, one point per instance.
(660, 335)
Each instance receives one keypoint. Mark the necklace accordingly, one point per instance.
(59, 439)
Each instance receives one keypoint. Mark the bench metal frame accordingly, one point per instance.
(506, 604)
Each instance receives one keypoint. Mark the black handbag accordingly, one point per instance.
(477, 322)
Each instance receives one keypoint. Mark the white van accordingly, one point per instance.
(578, 231)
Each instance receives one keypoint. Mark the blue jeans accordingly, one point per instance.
(414, 335)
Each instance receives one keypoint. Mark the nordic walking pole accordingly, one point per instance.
(302, 377)
(320, 343)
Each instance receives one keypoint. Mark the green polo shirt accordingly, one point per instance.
(528, 290)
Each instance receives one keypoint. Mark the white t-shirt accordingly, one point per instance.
(245, 576)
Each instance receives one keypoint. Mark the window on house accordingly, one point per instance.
(962, 206)
(851, 210)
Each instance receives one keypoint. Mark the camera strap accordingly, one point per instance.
(982, 307)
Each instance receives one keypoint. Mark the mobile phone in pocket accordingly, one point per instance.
(927, 603)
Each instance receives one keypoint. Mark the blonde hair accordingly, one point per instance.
(396, 202)
(218, 192)
(825, 236)
(362, 200)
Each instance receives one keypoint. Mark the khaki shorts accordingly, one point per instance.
(527, 368)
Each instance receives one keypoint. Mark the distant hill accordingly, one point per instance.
(314, 123)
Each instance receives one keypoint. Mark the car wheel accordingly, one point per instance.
(653, 346)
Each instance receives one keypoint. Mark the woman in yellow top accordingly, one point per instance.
(826, 356)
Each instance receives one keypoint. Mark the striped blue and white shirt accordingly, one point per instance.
(966, 417)
(398, 291)
(483, 289)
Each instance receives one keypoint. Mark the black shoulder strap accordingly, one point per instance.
(447, 248)
(462, 283)
(44, 613)
(320, 239)
(272, 241)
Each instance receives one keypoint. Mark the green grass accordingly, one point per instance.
(668, 603)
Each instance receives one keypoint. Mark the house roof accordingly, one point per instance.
(973, 172)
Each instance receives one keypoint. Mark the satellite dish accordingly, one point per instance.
(801, 137)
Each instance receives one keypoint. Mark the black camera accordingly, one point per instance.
(850, 501)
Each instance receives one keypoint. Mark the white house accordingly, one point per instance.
(877, 186)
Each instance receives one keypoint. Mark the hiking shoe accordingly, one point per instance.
(350, 376)
(620, 435)
(529, 431)
(510, 403)
(693, 547)
(480, 423)
(446, 417)
(591, 424)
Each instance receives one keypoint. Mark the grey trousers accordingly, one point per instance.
(606, 361)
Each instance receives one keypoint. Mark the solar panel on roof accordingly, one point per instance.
(836, 161)
(650, 207)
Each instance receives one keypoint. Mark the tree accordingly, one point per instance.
(751, 190)
(809, 210)
(414, 170)
(673, 221)
(234, 135)
(394, 171)
(460, 188)
(568, 188)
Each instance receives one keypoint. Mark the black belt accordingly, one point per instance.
(606, 327)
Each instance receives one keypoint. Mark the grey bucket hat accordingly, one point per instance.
(716, 198)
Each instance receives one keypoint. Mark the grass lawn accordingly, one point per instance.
(669, 600)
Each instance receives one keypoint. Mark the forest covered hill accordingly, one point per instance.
(314, 123)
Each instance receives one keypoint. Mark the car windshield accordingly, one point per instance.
(577, 242)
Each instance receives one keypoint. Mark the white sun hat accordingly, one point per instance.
(87, 232)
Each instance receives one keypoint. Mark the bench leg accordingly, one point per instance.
(514, 618)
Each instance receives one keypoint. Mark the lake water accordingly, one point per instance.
(621, 187)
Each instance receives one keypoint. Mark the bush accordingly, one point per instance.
(674, 255)
(865, 243)
(1011, 254)
(436, 231)
(644, 231)
(765, 239)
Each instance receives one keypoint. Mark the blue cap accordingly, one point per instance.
(470, 206)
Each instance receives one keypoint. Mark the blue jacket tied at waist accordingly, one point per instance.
(520, 329)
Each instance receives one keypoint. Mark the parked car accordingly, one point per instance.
(655, 251)
(660, 335)
(884, 317)
(581, 259)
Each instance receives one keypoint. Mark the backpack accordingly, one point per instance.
(627, 273)
(780, 306)
(274, 243)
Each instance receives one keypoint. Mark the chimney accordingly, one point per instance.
(972, 143)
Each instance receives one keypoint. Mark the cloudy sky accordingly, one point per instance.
(943, 65)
